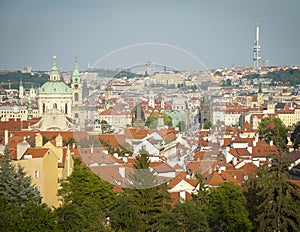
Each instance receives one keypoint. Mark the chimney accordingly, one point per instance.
(5, 137)
(125, 160)
(256, 138)
(21, 149)
(92, 148)
(59, 141)
(38, 140)
(250, 148)
(182, 196)
(116, 155)
(122, 171)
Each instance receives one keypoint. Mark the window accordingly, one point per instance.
(37, 188)
(37, 173)
(76, 96)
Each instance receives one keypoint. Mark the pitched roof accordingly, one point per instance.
(35, 152)
(113, 139)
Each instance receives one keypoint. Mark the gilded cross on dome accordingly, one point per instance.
(54, 60)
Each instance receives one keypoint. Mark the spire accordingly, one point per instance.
(260, 88)
(54, 75)
(76, 78)
(30, 115)
(54, 68)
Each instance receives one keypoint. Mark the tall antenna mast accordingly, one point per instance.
(256, 47)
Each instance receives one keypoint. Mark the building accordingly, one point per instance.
(78, 110)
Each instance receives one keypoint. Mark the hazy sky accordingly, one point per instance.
(219, 33)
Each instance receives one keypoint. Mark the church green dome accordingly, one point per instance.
(54, 87)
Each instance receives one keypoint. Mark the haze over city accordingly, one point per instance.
(219, 33)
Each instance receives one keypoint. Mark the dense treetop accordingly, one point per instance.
(28, 80)
(289, 76)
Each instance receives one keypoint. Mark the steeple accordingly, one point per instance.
(30, 115)
(260, 88)
(21, 89)
(54, 75)
(76, 78)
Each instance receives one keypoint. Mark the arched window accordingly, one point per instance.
(76, 115)
(54, 106)
(44, 107)
(76, 96)
(66, 108)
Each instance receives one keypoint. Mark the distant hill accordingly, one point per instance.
(28, 80)
(289, 76)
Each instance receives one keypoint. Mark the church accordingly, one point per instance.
(60, 105)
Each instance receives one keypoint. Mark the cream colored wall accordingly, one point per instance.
(50, 170)
(288, 119)
(47, 182)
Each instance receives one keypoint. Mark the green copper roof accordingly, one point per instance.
(76, 75)
(178, 101)
(55, 87)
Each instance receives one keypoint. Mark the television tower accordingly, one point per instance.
(256, 47)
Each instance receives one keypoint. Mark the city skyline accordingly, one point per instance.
(219, 34)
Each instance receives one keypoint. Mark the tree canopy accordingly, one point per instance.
(87, 200)
(152, 120)
(27, 79)
(273, 129)
(20, 203)
(289, 76)
(273, 199)
(144, 201)
(296, 136)
(14, 183)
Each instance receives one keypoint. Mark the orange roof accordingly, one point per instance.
(113, 139)
(247, 127)
(161, 167)
(262, 149)
(214, 179)
(136, 133)
(36, 152)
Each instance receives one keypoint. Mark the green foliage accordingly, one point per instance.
(296, 136)
(126, 215)
(121, 149)
(227, 82)
(273, 129)
(207, 125)
(20, 202)
(31, 217)
(14, 183)
(187, 216)
(146, 201)
(70, 141)
(182, 126)
(27, 79)
(226, 210)
(86, 201)
(152, 120)
(289, 76)
(127, 73)
(104, 122)
(275, 197)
